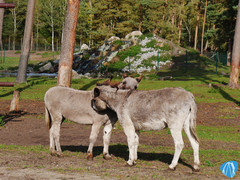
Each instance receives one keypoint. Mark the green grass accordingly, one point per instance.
(198, 86)
(219, 133)
(1, 121)
(35, 149)
(49, 54)
(12, 63)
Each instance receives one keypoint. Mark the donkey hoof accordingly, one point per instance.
(107, 157)
(53, 153)
(196, 168)
(90, 156)
(60, 155)
(130, 163)
(171, 168)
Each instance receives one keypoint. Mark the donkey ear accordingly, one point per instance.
(139, 78)
(96, 92)
(124, 75)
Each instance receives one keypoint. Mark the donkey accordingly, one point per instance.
(75, 105)
(174, 108)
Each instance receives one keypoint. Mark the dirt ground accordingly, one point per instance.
(27, 128)
(33, 56)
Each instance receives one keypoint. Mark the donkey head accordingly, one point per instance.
(129, 82)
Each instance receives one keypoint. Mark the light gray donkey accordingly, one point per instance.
(75, 105)
(152, 110)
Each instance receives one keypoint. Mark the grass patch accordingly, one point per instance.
(225, 133)
(1, 121)
(35, 149)
(49, 54)
(11, 63)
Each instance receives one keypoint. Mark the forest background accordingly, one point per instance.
(201, 24)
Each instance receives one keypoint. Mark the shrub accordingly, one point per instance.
(118, 66)
(17, 52)
(165, 47)
(151, 44)
(118, 42)
(132, 51)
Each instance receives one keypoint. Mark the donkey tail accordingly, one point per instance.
(192, 123)
(48, 119)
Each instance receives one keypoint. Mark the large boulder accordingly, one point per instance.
(75, 75)
(46, 67)
(133, 34)
(113, 38)
(84, 47)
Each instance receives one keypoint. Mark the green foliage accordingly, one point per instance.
(118, 42)
(99, 20)
(118, 66)
(132, 52)
(151, 44)
(1, 121)
(193, 51)
(17, 52)
(166, 47)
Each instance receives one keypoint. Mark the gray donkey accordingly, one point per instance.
(174, 108)
(75, 105)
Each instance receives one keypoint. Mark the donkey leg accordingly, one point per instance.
(129, 130)
(93, 137)
(52, 143)
(195, 146)
(136, 143)
(57, 139)
(107, 131)
(55, 136)
(179, 144)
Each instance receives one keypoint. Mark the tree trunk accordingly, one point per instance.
(173, 19)
(22, 68)
(180, 25)
(1, 24)
(206, 45)
(67, 48)
(9, 43)
(196, 30)
(37, 33)
(141, 17)
(15, 102)
(52, 25)
(229, 52)
(234, 74)
(204, 20)
(14, 29)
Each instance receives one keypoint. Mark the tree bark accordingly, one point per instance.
(234, 74)
(180, 25)
(204, 20)
(14, 106)
(229, 52)
(22, 68)
(196, 30)
(1, 23)
(14, 28)
(67, 48)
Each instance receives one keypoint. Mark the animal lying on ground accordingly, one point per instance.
(174, 108)
(127, 83)
(75, 105)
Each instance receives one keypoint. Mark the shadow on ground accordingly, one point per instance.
(121, 151)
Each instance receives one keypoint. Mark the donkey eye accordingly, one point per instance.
(96, 92)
